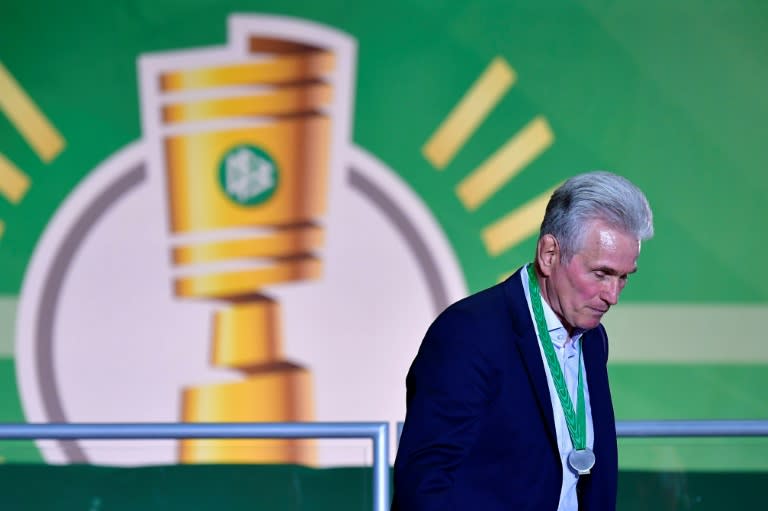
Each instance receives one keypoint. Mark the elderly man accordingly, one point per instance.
(508, 400)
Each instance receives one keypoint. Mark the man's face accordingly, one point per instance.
(583, 289)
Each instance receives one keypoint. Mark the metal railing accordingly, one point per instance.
(680, 428)
(692, 428)
(378, 432)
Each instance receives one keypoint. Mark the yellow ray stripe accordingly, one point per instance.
(469, 113)
(13, 182)
(524, 147)
(516, 226)
(2, 228)
(679, 333)
(36, 129)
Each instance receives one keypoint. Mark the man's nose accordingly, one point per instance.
(611, 291)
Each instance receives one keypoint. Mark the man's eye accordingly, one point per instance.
(599, 274)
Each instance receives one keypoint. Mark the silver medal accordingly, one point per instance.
(581, 460)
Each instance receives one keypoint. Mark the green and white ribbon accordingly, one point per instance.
(576, 421)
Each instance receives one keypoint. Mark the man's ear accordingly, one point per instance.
(547, 254)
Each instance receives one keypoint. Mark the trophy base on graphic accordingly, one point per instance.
(282, 393)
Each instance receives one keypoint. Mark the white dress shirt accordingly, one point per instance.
(566, 349)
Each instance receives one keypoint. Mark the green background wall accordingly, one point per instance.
(670, 94)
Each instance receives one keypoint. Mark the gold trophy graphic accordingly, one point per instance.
(245, 148)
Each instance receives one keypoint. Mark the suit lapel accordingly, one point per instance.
(528, 346)
(597, 382)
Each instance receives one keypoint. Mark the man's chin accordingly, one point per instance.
(590, 322)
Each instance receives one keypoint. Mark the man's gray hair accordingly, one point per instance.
(594, 196)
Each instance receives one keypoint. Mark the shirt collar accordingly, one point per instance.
(554, 326)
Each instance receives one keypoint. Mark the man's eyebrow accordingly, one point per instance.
(611, 271)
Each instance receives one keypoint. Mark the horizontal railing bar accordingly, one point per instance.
(681, 428)
(73, 431)
(62, 431)
(692, 428)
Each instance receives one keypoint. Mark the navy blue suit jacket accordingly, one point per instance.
(479, 433)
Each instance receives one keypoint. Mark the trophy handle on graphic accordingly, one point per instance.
(245, 148)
